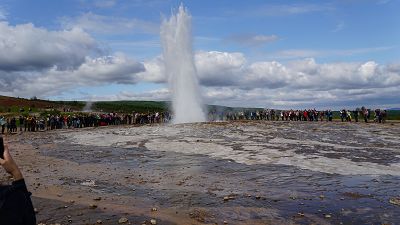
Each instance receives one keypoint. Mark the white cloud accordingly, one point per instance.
(213, 68)
(304, 66)
(223, 69)
(116, 69)
(266, 74)
(162, 94)
(38, 62)
(70, 59)
(228, 79)
(92, 22)
(26, 47)
(309, 53)
(154, 71)
(296, 84)
(219, 68)
(368, 69)
(305, 83)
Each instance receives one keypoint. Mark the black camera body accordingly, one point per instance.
(1, 147)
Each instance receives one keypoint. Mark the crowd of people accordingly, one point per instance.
(367, 115)
(80, 120)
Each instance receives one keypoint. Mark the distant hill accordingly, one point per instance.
(12, 104)
(130, 106)
(152, 106)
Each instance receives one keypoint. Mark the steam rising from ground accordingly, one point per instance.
(180, 68)
(88, 106)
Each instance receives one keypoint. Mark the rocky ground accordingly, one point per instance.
(233, 173)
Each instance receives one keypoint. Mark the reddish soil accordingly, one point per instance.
(8, 102)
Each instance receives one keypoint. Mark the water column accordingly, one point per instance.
(176, 38)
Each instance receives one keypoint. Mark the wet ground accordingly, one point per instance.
(234, 173)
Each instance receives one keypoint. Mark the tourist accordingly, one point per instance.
(343, 115)
(355, 114)
(330, 115)
(21, 122)
(3, 124)
(15, 202)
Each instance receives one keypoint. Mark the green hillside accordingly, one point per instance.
(130, 106)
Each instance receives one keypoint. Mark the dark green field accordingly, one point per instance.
(130, 106)
(394, 115)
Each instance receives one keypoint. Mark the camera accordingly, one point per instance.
(1, 147)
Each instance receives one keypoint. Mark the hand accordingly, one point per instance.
(9, 164)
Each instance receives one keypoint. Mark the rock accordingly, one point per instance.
(99, 222)
(258, 197)
(328, 216)
(154, 209)
(123, 220)
(153, 221)
(92, 206)
(229, 197)
(97, 199)
(395, 201)
(35, 210)
(300, 214)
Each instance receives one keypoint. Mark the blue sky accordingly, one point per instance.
(284, 54)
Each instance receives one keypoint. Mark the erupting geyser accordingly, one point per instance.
(176, 40)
